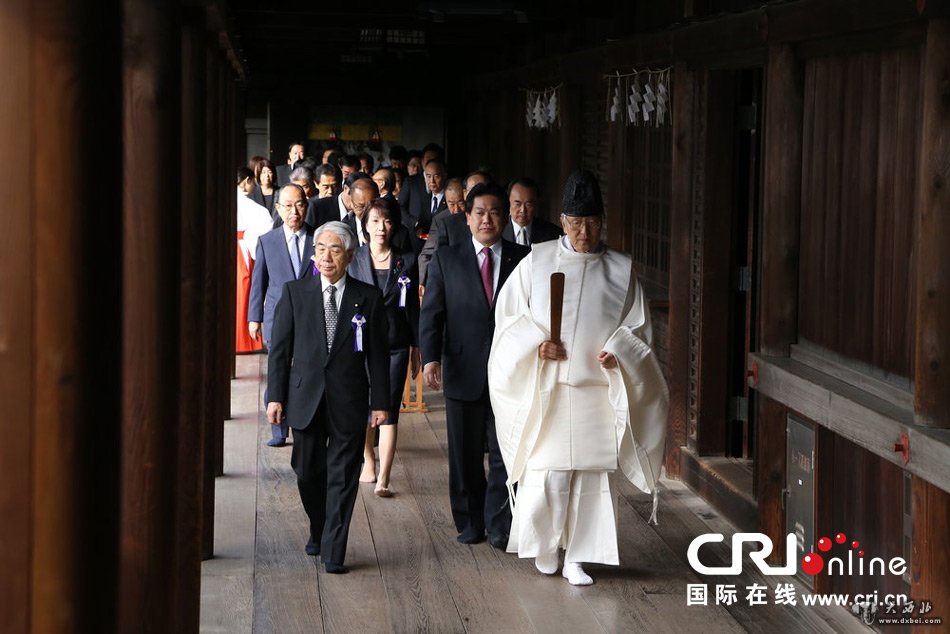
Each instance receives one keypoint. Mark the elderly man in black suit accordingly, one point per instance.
(456, 325)
(525, 227)
(329, 358)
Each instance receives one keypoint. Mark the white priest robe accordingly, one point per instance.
(565, 426)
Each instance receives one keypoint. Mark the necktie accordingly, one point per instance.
(351, 221)
(331, 316)
(435, 204)
(522, 236)
(487, 277)
(295, 254)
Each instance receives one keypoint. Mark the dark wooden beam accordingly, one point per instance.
(192, 388)
(771, 419)
(716, 293)
(214, 279)
(681, 204)
(932, 353)
(67, 414)
(17, 359)
(150, 333)
(781, 192)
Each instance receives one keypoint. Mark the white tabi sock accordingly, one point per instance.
(546, 564)
(575, 575)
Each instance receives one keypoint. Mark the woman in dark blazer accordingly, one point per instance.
(265, 194)
(393, 270)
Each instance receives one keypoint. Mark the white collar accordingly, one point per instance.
(300, 233)
(496, 248)
(340, 285)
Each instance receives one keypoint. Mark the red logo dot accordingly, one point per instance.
(855, 544)
(812, 564)
(841, 538)
(824, 544)
(860, 553)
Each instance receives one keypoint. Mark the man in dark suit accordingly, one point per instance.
(525, 227)
(456, 325)
(447, 226)
(422, 199)
(339, 207)
(329, 358)
(294, 154)
(283, 255)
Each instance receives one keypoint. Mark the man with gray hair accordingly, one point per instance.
(329, 357)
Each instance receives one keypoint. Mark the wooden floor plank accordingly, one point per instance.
(473, 576)
(356, 601)
(286, 589)
(412, 575)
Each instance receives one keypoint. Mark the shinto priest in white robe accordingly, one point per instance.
(564, 427)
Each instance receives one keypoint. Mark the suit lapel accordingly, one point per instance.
(508, 265)
(305, 261)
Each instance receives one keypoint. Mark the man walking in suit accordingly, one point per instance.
(525, 227)
(329, 358)
(455, 331)
(283, 255)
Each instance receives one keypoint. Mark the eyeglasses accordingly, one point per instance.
(300, 205)
(576, 223)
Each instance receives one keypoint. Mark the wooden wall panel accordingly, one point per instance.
(932, 277)
(930, 555)
(858, 178)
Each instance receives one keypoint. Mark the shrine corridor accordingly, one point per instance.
(408, 573)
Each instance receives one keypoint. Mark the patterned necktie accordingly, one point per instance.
(295, 254)
(487, 276)
(522, 236)
(435, 204)
(331, 316)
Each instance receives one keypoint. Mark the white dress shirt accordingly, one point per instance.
(495, 261)
(340, 287)
(517, 229)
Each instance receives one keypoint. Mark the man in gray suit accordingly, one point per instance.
(283, 255)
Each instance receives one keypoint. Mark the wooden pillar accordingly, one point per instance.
(778, 280)
(150, 333)
(716, 287)
(59, 302)
(616, 216)
(684, 84)
(932, 355)
(782, 199)
(226, 254)
(192, 376)
(214, 278)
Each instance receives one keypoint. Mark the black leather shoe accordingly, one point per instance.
(312, 548)
(498, 540)
(472, 536)
(335, 569)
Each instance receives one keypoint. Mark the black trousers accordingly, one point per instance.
(327, 461)
(476, 501)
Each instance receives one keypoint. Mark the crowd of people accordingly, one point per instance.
(351, 275)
